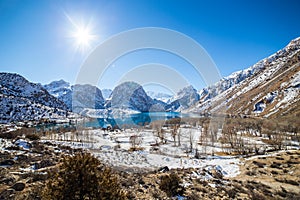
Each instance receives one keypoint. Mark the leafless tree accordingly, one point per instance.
(135, 141)
(191, 140)
(178, 137)
(174, 132)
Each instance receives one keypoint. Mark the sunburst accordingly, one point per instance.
(82, 34)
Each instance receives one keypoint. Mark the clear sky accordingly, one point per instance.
(38, 38)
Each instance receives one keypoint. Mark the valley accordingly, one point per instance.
(236, 139)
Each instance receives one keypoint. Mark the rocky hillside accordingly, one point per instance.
(269, 88)
(106, 93)
(130, 95)
(184, 99)
(22, 100)
(84, 96)
(126, 96)
(61, 90)
(159, 96)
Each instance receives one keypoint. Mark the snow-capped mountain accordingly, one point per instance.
(17, 86)
(84, 96)
(58, 88)
(159, 96)
(269, 88)
(61, 90)
(130, 95)
(23, 100)
(184, 99)
(106, 93)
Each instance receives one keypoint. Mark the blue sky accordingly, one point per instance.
(35, 36)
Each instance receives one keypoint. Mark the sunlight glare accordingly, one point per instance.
(82, 35)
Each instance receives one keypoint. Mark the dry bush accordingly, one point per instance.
(83, 177)
(170, 184)
(33, 136)
(135, 142)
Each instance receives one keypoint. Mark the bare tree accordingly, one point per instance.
(178, 136)
(135, 141)
(191, 140)
(157, 126)
(174, 132)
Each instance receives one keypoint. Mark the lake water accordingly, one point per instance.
(129, 120)
(135, 119)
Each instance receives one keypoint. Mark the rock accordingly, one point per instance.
(14, 147)
(164, 169)
(22, 157)
(216, 174)
(23, 143)
(7, 180)
(7, 194)
(18, 186)
(43, 164)
(7, 162)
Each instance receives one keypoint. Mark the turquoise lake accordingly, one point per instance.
(136, 119)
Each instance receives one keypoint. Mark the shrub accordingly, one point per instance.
(33, 136)
(170, 184)
(82, 177)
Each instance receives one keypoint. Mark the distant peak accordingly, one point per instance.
(188, 88)
(130, 83)
(295, 42)
(59, 83)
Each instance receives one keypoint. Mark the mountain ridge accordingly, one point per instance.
(254, 94)
(23, 100)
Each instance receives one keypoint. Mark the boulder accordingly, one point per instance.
(18, 186)
(7, 162)
(7, 194)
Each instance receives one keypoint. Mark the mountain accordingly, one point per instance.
(106, 93)
(159, 96)
(58, 88)
(23, 100)
(184, 99)
(84, 96)
(269, 88)
(61, 90)
(130, 95)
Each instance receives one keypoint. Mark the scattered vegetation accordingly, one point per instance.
(33, 136)
(82, 176)
(171, 185)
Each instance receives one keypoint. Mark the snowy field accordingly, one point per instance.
(114, 148)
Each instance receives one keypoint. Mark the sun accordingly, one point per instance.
(83, 37)
(81, 34)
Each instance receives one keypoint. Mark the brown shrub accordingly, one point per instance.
(170, 184)
(83, 177)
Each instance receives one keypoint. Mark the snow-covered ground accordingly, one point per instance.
(113, 148)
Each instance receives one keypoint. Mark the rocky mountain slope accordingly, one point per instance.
(269, 88)
(130, 95)
(22, 100)
(106, 93)
(84, 96)
(184, 99)
(61, 90)
(159, 96)
(126, 96)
